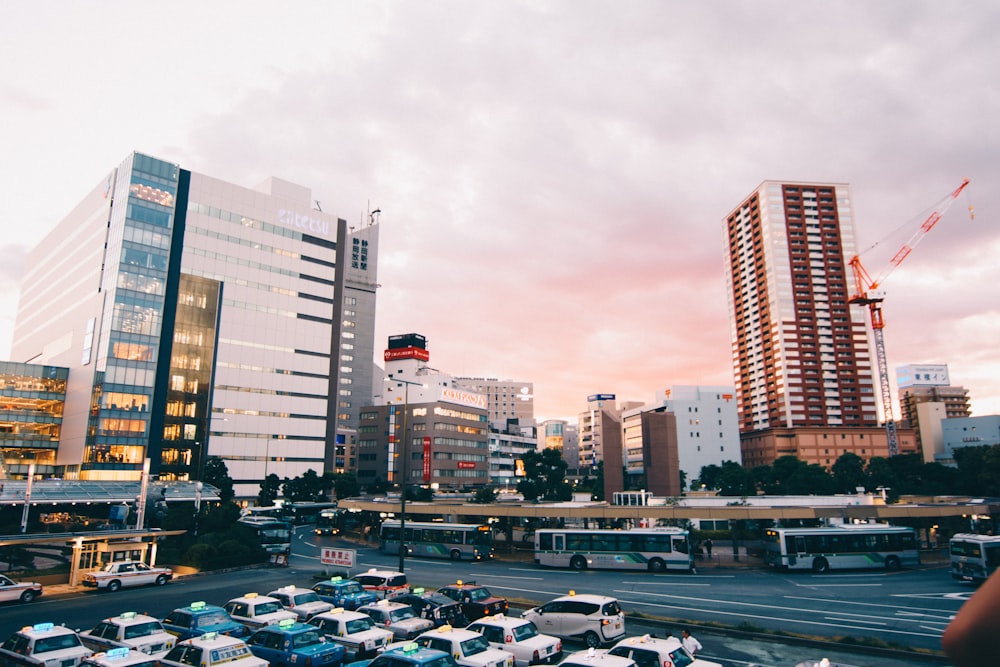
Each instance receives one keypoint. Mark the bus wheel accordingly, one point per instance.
(657, 565)
(456, 554)
(578, 563)
(892, 564)
(820, 565)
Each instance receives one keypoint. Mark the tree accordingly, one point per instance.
(378, 485)
(709, 477)
(547, 469)
(849, 472)
(528, 488)
(484, 495)
(734, 480)
(881, 475)
(268, 490)
(216, 473)
(344, 484)
(309, 487)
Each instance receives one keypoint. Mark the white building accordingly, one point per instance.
(202, 318)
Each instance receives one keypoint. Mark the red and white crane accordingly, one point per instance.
(867, 292)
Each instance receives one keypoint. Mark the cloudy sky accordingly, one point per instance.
(552, 175)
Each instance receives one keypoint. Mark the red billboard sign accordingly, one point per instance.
(407, 353)
(466, 465)
(427, 458)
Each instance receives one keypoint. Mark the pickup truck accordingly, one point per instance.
(114, 576)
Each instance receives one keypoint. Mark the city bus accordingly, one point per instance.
(457, 541)
(848, 546)
(653, 549)
(305, 512)
(973, 557)
(273, 535)
(328, 522)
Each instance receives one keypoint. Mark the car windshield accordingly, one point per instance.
(437, 598)
(474, 645)
(612, 609)
(351, 588)
(401, 614)
(267, 608)
(359, 625)
(526, 631)
(306, 639)
(681, 658)
(56, 643)
(214, 618)
(142, 629)
(479, 594)
(443, 661)
(304, 598)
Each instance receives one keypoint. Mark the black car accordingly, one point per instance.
(476, 601)
(440, 609)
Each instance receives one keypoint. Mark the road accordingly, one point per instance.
(908, 608)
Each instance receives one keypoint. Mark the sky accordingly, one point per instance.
(552, 176)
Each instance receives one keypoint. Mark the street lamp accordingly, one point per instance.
(405, 472)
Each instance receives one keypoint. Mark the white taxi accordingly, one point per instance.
(130, 630)
(121, 657)
(649, 651)
(355, 631)
(470, 649)
(255, 611)
(43, 644)
(397, 618)
(211, 650)
(520, 637)
(304, 602)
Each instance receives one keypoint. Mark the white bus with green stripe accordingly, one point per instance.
(653, 549)
(430, 539)
(842, 547)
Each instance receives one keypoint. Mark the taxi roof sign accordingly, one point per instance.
(286, 622)
(119, 652)
(335, 580)
(195, 606)
(42, 627)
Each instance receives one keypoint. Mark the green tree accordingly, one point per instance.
(344, 484)
(378, 485)
(308, 487)
(849, 472)
(979, 470)
(528, 488)
(547, 469)
(734, 480)
(216, 473)
(484, 495)
(881, 475)
(709, 477)
(269, 490)
(762, 478)
(811, 479)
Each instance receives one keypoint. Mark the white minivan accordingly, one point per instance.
(596, 619)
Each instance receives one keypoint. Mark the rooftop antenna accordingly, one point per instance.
(318, 207)
(371, 216)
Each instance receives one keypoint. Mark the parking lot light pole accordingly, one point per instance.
(404, 453)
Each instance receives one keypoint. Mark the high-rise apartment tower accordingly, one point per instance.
(801, 355)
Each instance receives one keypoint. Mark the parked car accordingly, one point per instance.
(476, 600)
(291, 643)
(129, 630)
(121, 657)
(344, 593)
(649, 651)
(593, 658)
(200, 618)
(23, 591)
(470, 649)
(596, 619)
(386, 584)
(520, 637)
(115, 576)
(355, 631)
(44, 644)
(212, 650)
(410, 655)
(256, 611)
(303, 601)
(435, 607)
(399, 619)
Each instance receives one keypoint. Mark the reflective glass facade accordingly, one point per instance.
(31, 410)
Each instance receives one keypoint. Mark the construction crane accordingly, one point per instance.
(867, 293)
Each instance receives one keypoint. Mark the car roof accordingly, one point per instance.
(288, 628)
(382, 573)
(291, 589)
(449, 631)
(344, 614)
(585, 597)
(420, 654)
(212, 640)
(44, 630)
(648, 641)
(384, 604)
(589, 657)
(254, 597)
(199, 608)
(501, 619)
(128, 618)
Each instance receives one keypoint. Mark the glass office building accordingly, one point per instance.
(201, 318)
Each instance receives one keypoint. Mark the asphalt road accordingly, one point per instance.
(908, 609)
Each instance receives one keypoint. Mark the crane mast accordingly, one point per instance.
(867, 293)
